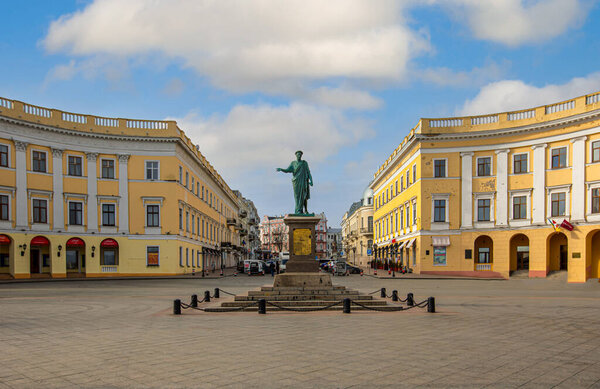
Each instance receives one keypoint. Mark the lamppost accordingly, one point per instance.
(354, 255)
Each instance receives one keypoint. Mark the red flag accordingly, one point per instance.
(566, 225)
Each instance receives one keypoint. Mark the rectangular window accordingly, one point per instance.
(415, 173)
(595, 200)
(484, 166)
(180, 256)
(396, 188)
(439, 256)
(558, 204)
(109, 257)
(414, 221)
(40, 211)
(439, 211)
(108, 214)
(180, 219)
(483, 210)
(193, 224)
(198, 193)
(187, 222)
(439, 168)
(187, 179)
(108, 168)
(193, 188)
(180, 175)
(75, 213)
(407, 178)
(152, 216)
(4, 155)
(187, 256)
(152, 170)
(401, 211)
(559, 158)
(520, 207)
(407, 216)
(483, 255)
(152, 256)
(39, 161)
(3, 207)
(75, 166)
(203, 229)
(595, 151)
(520, 163)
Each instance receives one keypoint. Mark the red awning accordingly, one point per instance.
(75, 242)
(4, 239)
(109, 243)
(40, 241)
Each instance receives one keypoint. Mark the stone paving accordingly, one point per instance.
(121, 333)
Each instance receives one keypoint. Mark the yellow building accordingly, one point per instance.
(88, 196)
(478, 196)
(357, 231)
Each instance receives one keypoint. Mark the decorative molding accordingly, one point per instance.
(541, 145)
(57, 153)
(123, 158)
(20, 145)
(92, 157)
(39, 192)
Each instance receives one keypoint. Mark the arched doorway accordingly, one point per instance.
(519, 252)
(5, 242)
(557, 252)
(109, 253)
(75, 257)
(593, 254)
(484, 253)
(39, 255)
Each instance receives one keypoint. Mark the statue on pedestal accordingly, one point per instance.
(301, 181)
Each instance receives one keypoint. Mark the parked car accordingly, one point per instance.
(352, 269)
(253, 267)
(340, 269)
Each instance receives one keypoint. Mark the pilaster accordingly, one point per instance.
(538, 198)
(124, 193)
(58, 213)
(502, 187)
(578, 179)
(466, 190)
(21, 184)
(92, 189)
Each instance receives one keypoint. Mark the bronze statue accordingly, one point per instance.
(301, 181)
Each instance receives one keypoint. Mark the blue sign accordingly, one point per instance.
(369, 252)
(342, 253)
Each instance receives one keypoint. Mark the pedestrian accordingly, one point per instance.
(272, 267)
(277, 267)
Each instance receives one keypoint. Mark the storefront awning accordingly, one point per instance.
(4, 239)
(75, 242)
(440, 241)
(40, 241)
(410, 243)
(109, 243)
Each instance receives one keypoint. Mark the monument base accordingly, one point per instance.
(303, 280)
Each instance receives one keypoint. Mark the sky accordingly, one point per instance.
(252, 81)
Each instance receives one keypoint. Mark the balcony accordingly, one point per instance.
(242, 213)
(231, 221)
(244, 232)
(252, 221)
(366, 231)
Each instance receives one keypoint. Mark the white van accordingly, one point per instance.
(284, 256)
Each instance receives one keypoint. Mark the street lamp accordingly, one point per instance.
(354, 255)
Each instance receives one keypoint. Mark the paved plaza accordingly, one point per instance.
(121, 333)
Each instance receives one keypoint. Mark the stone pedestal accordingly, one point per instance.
(302, 269)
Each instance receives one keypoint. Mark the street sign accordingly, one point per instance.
(342, 253)
(369, 252)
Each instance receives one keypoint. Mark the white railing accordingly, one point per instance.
(147, 124)
(38, 111)
(484, 119)
(6, 103)
(483, 266)
(72, 117)
(109, 269)
(560, 107)
(520, 115)
(106, 122)
(446, 123)
(593, 99)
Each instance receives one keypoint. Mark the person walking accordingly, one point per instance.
(272, 267)
(277, 267)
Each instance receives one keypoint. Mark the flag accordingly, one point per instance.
(566, 225)
(554, 224)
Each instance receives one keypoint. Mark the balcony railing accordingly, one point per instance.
(242, 213)
(483, 266)
(366, 230)
(231, 221)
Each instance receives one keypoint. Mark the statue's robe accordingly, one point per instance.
(300, 180)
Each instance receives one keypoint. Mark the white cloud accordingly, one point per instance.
(256, 137)
(509, 95)
(516, 22)
(174, 87)
(248, 45)
(475, 77)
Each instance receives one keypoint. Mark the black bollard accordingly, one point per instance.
(410, 301)
(217, 293)
(262, 306)
(347, 302)
(177, 307)
(194, 303)
(207, 296)
(395, 295)
(382, 293)
(431, 305)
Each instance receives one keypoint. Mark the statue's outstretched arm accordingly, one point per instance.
(290, 169)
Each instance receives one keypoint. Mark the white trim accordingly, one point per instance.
(47, 170)
(69, 225)
(146, 170)
(146, 226)
(527, 170)
(549, 165)
(39, 192)
(491, 157)
(116, 213)
(8, 222)
(115, 178)
(483, 196)
(591, 150)
(550, 190)
(519, 193)
(47, 200)
(83, 170)
(446, 223)
(445, 167)
(396, 173)
(589, 215)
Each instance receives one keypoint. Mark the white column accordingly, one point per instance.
(57, 187)
(578, 180)
(467, 190)
(21, 194)
(124, 194)
(92, 191)
(538, 198)
(502, 187)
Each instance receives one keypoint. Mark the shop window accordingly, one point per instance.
(484, 166)
(4, 155)
(483, 255)
(152, 256)
(439, 256)
(152, 170)
(520, 207)
(109, 257)
(40, 211)
(4, 207)
(4, 260)
(108, 168)
(558, 204)
(75, 165)
(559, 158)
(108, 214)
(75, 213)
(520, 163)
(39, 161)
(152, 216)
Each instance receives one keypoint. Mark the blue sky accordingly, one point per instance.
(251, 81)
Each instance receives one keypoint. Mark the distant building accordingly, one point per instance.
(334, 242)
(321, 237)
(357, 230)
(246, 225)
(274, 235)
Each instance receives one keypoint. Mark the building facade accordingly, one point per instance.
(247, 222)
(490, 195)
(334, 242)
(274, 235)
(88, 196)
(321, 237)
(357, 231)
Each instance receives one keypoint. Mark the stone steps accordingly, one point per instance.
(299, 289)
(306, 303)
(348, 293)
(276, 309)
(288, 297)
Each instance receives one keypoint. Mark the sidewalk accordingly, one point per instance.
(383, 274)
